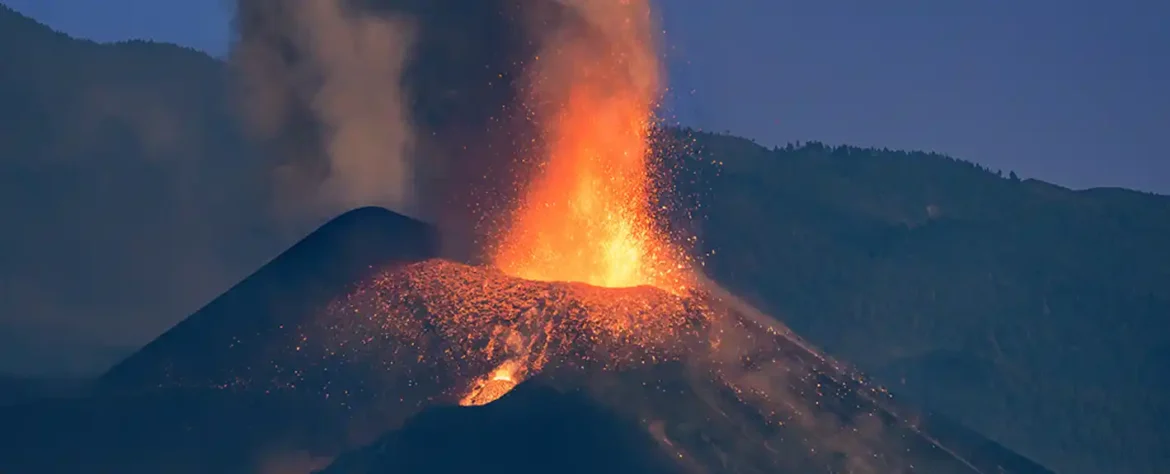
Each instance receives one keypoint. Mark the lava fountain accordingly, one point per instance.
(587, 214)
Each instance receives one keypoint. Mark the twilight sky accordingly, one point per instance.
(1069, 91)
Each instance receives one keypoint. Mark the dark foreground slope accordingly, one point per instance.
(533, 429)
(536, 428)
(238, 328)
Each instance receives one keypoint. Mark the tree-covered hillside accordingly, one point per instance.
(1036, 314)
(1029, 311)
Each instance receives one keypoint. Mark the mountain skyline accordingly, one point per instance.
(1064, 93)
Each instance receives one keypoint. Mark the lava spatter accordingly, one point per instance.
(495, 385)
(725, 381)
(588, 212)
(491, 331)
(468, 335)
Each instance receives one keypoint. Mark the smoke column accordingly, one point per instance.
(321, 84)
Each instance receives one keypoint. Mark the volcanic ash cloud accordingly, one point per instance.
(321, 83)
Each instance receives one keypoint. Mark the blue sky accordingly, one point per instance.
(1073, 92)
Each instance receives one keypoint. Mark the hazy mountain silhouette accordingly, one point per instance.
(1030, 312)
(126, 183)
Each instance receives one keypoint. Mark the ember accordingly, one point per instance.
(495, 330)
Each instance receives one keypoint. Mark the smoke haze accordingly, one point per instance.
(350, 144)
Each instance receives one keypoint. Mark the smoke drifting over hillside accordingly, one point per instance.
(322, 82)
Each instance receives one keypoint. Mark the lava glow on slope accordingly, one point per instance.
(440, 332)
(486, 331)
(587, 214)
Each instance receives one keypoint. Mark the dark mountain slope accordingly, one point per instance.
(127, 189)
(238, 328)
(513, 435)
(191, 431)
(1031, 312)
(532, 429)
(141, 418)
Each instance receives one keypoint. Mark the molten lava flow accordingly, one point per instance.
(495, 385)
(587, 215)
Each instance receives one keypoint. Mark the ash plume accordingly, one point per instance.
(321, 82)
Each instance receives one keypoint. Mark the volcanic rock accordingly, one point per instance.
(358, 328)
(532, 429)
(720, 388)
(238, 327)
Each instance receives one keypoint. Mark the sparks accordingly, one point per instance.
(587, 215)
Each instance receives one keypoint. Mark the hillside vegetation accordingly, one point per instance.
(1036, 314)
(1031, 312)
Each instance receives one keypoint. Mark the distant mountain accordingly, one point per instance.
(1029, 312)
(195, 426)
(127, 189)
(182, 432)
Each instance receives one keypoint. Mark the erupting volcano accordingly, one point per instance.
(586, 291)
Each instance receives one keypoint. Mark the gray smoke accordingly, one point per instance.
(322, 83)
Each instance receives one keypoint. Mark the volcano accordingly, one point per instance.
(360, 336)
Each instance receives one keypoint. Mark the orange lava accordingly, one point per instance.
(588, 213)
(495, 385)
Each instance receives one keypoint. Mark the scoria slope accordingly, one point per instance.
(357, 329)
(238, 328)
(720, 388)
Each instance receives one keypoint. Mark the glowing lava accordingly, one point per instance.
(587, 215)
(495, 385)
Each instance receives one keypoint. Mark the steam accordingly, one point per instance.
(322, 85)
